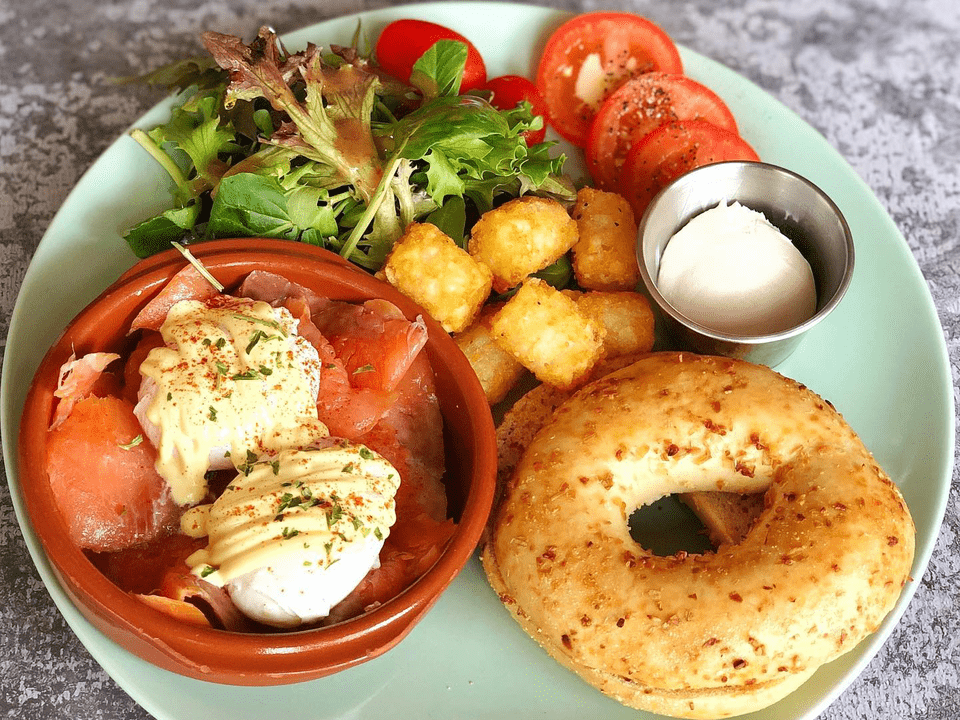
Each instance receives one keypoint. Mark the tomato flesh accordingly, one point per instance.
(403, 42)
(637, 108)
(673, 149)
(590, 56)
(509, 91)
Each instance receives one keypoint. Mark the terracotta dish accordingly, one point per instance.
(248, 658)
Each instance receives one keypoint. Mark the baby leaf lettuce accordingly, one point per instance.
(325, 150)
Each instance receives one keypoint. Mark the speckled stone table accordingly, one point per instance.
(880, 79)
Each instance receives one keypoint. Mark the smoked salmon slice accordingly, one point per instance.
(78, 379)
(187, 284)
(102, 474)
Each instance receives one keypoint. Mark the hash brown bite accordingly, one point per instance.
(497, 369)
(520, 237)
(626, 317)
(548, 334)
(604, 257)
(427, 266)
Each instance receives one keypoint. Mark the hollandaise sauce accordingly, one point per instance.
(310, 521)
(234, 378)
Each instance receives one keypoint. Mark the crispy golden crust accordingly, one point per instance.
(520, 237)
(429, 268)
(605, 256)
(710, 635)
(626, 317)
(497, 369)
(548, 334)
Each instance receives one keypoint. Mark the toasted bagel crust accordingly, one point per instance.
(711, 635)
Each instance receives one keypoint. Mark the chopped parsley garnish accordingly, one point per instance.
(377, 533)
(132, 444)
(366, 453)
(250, 374)
(254, 339)
(269, 323)
(207, 571)
(289, 532)
(364, 369)
(334, 514)
(213, 413)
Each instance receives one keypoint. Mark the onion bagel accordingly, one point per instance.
(712, 635)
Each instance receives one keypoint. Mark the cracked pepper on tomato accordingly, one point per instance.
(610, 80)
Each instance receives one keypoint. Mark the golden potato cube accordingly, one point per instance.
(625, 316)
(520, 237)
(546, 332)
(605, 257)
(497, 369)
(432, 270)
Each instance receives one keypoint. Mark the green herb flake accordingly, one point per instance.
(207, 571)
(132, 444)
(213, 413)
(364, 369)
(366, 453)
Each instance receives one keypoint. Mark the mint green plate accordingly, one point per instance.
(880, 358)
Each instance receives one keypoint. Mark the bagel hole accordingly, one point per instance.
(667, 526)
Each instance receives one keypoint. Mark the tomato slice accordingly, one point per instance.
(591, 55)
(638, 107)
(402, 42)
(509, 91)
(672, 150)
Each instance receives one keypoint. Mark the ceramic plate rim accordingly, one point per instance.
(113, 659)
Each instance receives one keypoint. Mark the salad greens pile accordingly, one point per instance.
(325, 149)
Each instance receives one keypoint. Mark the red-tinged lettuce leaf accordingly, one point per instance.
(332, 124)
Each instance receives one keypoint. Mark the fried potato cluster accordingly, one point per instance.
(497, 369)
(548, 334)
(507, 321)
(604, 257)
(521, 237)
(432, 270)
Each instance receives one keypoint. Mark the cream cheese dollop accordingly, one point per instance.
(297, 530)
(234, 377)
(732, 271)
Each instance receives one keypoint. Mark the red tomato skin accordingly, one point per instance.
(673, 149)
(402, 42)
(510, 90)
(628, 44)
(637, 108)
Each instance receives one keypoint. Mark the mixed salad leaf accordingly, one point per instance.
(326, 149)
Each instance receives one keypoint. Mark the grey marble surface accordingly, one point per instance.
(880, 79)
